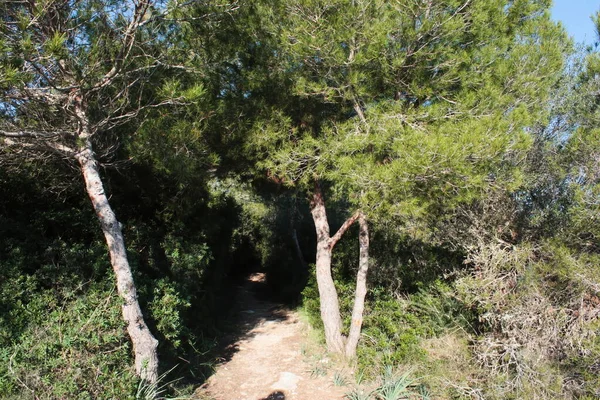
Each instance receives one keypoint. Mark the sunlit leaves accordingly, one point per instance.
(417, 104)
(54, 46)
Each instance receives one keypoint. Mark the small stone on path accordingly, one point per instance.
(287, 382)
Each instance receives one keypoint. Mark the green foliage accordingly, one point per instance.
(339, 379)
(460, 128)
(156, 390)
(394, 387)
(357, 394)
(318, 371)
(391, 333)
(166, 309)
(310, 302)
(61, 329)
(439, 309)
(406, 111)
(69, 345)
(392, 329)
(53, 260)
(188, 261)
(55, 45)
(268, 227)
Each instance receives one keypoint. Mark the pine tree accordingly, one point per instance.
(401, 110)
(73, 76)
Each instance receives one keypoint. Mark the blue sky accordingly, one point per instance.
(575, 17)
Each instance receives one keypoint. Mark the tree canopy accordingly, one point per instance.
(215, 138)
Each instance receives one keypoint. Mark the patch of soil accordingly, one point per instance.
(263, 358)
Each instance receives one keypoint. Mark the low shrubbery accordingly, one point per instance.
(60, 337)
(521, 322)
(539, 306)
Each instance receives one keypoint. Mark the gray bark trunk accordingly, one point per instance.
(330, 308)
(361, 288)
(144, 344)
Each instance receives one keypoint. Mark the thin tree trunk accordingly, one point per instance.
(361, 288)
(144, 344)
(299, 250)
(330, 308)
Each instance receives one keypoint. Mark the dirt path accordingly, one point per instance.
(267, 358)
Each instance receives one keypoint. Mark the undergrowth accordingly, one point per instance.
(522, 323)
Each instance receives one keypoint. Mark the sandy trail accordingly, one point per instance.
(266, 361)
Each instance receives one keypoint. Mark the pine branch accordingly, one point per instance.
(31, 134)
(140, 11)
(347, 224)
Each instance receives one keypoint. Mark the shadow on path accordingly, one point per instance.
(252, 308)
(262, 356)
(275, 396)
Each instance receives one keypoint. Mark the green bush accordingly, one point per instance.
(166, 308)
(439, 308)
(74, 346)
(391, 332)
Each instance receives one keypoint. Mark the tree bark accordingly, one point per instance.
(361, 288)
(144, 343)
(330, 308)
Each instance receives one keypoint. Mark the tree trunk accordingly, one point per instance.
(144, 344)
(361, 288)
(330, 308)
(299, 250)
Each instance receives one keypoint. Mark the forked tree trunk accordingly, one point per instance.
(144, 344)
(361, 288)
(330, 308)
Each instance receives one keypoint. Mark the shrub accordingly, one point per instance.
(539, 306)
(391, 333)
(71, 347)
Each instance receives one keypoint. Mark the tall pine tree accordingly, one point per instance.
(400, 110)
(74, 76)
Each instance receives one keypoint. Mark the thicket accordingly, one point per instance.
(482, 201)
